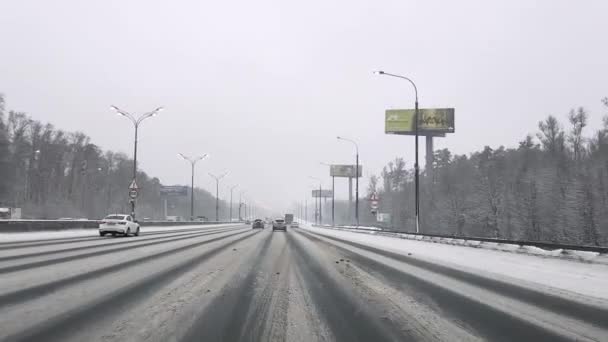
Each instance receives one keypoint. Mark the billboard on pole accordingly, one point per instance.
(431, 121)
(174, 190)
(383, 217)
(345, 170)
(324, 193)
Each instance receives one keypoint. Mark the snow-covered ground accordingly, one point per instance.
(60, 234)
(586, 278)
(558, 253)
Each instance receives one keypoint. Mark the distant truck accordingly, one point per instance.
(288, 218)
(10, 213)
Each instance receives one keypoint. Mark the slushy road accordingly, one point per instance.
(234, 283)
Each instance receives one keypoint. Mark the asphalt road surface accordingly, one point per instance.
(232, 283)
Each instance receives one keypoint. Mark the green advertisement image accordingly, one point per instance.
(431, 121)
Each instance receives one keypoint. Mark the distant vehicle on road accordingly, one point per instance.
(248, 222)
(118, 224)
(279, 224)
(294, 225)
(288, 218)
(258, 223)
(10, 213)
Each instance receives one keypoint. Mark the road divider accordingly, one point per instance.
(15, 226)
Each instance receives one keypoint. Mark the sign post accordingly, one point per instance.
(133, 195)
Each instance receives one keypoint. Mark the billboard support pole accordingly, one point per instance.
(192, 194)
(429, 158)
(333, 200)
(417, 166)
(350, 198)
(357, 188)
(320, 206)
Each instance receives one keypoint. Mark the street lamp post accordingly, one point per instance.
(192, 162)
(416, 167)
(231, 189)
(241, 203)
(356, 177)
(217, 194)
(320, 203)
(333, 196)
(136, 122)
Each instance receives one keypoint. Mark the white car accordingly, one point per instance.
(118, 224)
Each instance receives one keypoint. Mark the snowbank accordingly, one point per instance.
(523, 249)
(535, 267)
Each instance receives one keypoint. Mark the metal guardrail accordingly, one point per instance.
(539, 244)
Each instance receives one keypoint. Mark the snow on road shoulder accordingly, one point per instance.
(74, 233)
(587, 279)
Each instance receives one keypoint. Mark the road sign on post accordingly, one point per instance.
(133, 194)
(174, 190)
(133, 185)
(344, 171)
(324, 193)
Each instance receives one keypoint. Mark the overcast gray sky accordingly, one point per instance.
(265, 86)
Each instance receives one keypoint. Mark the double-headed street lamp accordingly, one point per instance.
(320, 193)
(217, 194)
(416, 167)
(136, 122)
(356, 177)
(192, 162)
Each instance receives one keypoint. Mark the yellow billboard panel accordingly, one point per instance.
(434, 121)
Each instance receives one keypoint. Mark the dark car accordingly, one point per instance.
(279, 224)
(258, 223)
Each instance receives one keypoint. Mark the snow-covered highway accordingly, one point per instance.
(233, 283)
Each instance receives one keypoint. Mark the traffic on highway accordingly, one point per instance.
(303, 171)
